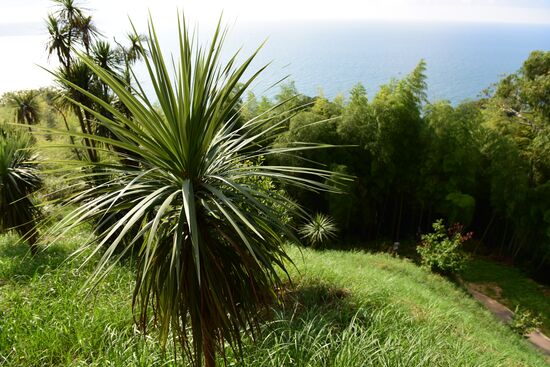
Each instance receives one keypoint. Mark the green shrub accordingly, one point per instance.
(441, 251)
(525, 321)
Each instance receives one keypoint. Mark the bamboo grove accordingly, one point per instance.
(483, 163)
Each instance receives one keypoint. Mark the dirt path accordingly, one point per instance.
(504, 314)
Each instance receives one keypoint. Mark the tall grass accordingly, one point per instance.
(357, 309)
(343, 309)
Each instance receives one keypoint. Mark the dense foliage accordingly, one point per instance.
(484, 163)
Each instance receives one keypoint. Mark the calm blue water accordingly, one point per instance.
(462, 59)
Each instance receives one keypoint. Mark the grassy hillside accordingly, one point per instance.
(342, 309)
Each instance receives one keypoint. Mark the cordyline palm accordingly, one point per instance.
(59, 41)
(69, 10)
(86, 31)
(72, 81)
(25, 106)
(209, 240)
(131, 54)
(69, 25)
(135, 52)
(19, 178)
(319, 229)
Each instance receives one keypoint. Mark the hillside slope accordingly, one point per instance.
(400, 314)
(343, 309)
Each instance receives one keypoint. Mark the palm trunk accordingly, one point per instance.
(28, 232)
(71, 138)
(89, 146)
(208, 347)
(208, 350)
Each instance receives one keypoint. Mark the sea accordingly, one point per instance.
(463, 59)
(330, 57)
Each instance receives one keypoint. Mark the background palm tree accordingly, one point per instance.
(71, 29)
(131, 54)
(86, 30)
(72, 81)
(58, 42)
(135, 51)
(19, 179)
(25, 105)
(209, 236)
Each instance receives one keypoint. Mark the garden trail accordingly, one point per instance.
(503, 313)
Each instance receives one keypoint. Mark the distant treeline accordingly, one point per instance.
(483, 163)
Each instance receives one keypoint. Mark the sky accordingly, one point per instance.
(23, 36)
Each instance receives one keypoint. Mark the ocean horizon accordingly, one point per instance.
(462, 59)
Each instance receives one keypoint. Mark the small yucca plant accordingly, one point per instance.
(19, 179)
(319, 230)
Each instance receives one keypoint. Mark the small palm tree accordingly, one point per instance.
(129, 55)
(210, 239)
(105, 56)
(25, 105)
(59, 40)
(19, 179)
(69, 26)
(72, 81)
(134, 52)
